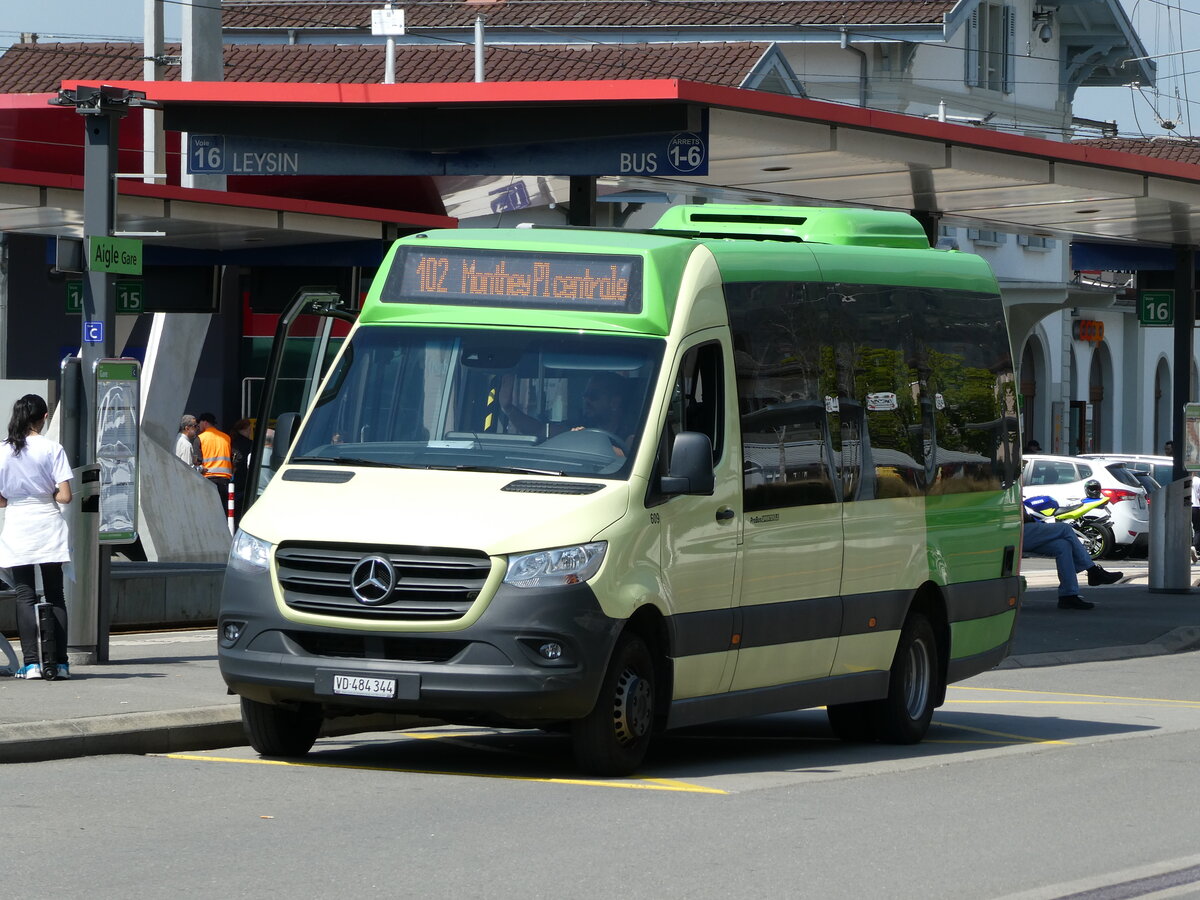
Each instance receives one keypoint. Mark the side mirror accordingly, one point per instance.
(691, 466)
(285, 431)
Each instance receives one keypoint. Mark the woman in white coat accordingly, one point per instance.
(35, 477)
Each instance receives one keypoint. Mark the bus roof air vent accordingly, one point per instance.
(820, 225)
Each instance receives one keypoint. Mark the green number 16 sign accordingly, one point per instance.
(1156, 308)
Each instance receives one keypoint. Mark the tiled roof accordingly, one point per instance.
(38, 68)
(585, 13)
(1185, 150)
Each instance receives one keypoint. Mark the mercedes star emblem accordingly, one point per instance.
(372, 580)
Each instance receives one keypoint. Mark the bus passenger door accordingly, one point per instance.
(790, 610)
(307, 338)
(699, 535)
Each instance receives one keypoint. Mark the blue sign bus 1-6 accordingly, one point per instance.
(678, 153)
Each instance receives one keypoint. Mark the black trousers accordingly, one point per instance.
(26, 591)
(1196, 528)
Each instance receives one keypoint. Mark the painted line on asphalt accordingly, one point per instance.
(1009, 738)
(957, 688)
(649, 784)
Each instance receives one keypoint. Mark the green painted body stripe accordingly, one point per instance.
(975, 636)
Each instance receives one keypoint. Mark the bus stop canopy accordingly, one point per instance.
(760, 147)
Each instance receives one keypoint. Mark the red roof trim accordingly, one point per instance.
(237, 199)
(582, 92)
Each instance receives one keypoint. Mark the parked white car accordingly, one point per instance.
(1063, 477)
(1161, 468)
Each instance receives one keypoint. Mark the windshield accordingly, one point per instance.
(484, 400)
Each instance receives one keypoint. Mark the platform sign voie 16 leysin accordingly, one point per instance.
(677, 153)
(117, 413)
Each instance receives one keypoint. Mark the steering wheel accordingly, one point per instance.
(616, 441)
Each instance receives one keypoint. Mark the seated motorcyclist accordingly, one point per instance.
(1058, 539)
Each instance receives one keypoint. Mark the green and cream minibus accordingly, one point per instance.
(753, 459)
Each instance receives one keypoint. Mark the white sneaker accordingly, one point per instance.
(33, 670)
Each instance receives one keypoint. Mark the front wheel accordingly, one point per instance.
(278, 730)
(1097, 539)
(612, 739)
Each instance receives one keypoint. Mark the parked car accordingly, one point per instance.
(1160, 468)
(1063, 477)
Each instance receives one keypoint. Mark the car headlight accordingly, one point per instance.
(248, 553)
(560, 566)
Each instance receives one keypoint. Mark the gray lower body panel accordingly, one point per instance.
(490, 671)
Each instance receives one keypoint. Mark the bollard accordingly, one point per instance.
(229, 506)
(1170, 537)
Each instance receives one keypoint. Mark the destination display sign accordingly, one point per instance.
(515, 278)
(678, 153)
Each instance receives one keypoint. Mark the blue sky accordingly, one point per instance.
(1162, 25)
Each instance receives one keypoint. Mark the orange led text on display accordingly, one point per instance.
(437, 275)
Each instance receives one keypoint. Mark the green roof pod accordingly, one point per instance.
(818, 225)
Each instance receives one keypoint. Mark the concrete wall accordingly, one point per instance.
(149, 595)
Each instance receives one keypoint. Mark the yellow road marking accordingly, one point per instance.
(649, 784)
(1019, 738)
(1189, 705)
(955, 687)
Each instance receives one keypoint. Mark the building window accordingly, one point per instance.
(1036, 242)
(990, 41)
(987, 237)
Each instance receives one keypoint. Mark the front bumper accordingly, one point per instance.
(490, 671)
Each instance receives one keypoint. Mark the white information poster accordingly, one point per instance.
(117, 397)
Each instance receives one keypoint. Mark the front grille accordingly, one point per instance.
(432, 583)
(369, 646)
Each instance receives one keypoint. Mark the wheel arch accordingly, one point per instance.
(931, 602)
(649, 624)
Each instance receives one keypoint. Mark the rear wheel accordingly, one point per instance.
(279, 730)
(903, 716)
(612, 739)
(1097, 539)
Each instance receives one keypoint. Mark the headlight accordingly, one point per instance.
(249, 553)
(550, 568)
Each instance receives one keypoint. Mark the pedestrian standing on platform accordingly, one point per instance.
(35, 477)
(216, 455)
(1195, 517)
(185, 444)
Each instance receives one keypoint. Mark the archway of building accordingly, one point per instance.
(1100, 401)
(1162, 403)
(1032, 373)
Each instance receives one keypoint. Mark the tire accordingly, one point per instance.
(613, 738)
(904, 716)
(279, 730)
(1097, 539)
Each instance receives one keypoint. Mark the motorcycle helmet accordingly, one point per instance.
(1091, 488)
